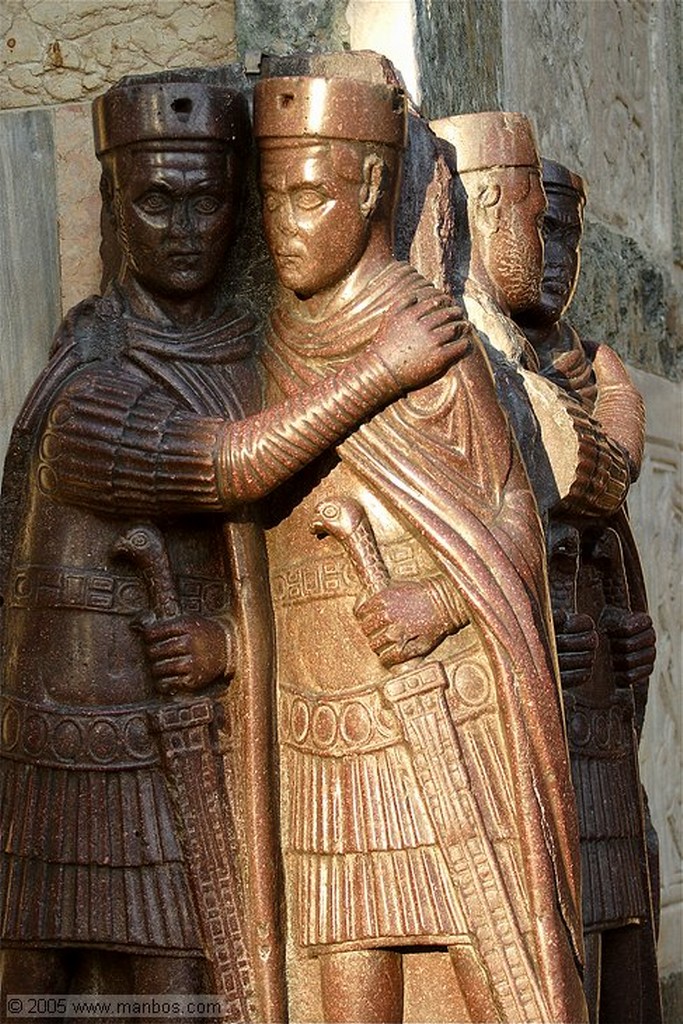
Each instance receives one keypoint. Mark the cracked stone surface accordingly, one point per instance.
(62, 51)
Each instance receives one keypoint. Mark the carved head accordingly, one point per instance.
(562, 230)
(329, 151)
(171, 154)
(499, 172)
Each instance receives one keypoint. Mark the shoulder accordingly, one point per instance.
(94, 328)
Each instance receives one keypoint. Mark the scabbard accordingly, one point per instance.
(419, 697)
(187, 738)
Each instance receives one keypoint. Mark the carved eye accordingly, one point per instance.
(206, 204)
(310, 199)
(153, 202)
(271, 201)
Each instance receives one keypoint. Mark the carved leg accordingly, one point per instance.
(168, 975)
(593, 971)
(476, 986)
(628, 992)
(29, 971)
(364, 986)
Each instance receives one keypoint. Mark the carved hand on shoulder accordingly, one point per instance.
(420, 341)
(188, 652)
(403, 621)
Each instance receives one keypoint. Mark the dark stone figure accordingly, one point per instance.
(427, 800)
(605, 639)
(138, 789)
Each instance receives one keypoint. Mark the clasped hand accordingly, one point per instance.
(632, 644)
(577, 641)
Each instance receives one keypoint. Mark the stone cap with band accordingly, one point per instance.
(147, 110)
(330, 108)
(558, 178)
(493, 138)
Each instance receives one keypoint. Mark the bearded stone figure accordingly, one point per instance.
(579, 424)
(605, 638)
(499, 204)
(140, 848)
(426, 795)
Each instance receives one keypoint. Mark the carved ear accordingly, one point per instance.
(107, 195)
(487, 207)
(371, 188)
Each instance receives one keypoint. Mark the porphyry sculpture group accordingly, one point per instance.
(284, 602)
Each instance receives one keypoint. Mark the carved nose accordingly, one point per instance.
(285, 219)
(181, 219)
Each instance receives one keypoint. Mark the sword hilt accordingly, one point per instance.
(564, 553)
(347, 520)
(144, 546)
(609, 555)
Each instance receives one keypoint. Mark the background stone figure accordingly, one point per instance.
(578, 421)
(499, 205)
(605, 641)
(415, 791)
(131, 577)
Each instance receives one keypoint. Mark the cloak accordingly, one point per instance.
(473, 505)
(195, 368)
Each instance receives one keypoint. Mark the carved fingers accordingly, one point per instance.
(632, 644)
(577, 642)
(420, 341)
(188, 652)
(602, 473)
(403, 621)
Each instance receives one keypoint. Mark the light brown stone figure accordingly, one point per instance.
(426, 794)
(605, 641)
(500, 204)
(138, 787)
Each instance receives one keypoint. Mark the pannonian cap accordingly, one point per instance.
(148, 111)
(493, 138)
(330, 108)
(558, 177)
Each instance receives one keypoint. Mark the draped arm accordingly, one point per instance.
(114, 442)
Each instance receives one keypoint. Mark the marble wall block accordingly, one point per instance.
(79, 204)
(281, 27)
(29, 262)
(656, 507)
(65, 51)
(595, 79)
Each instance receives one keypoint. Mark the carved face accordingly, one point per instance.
(315, 222)
(175, 216)
(512, 248)
(562, 230)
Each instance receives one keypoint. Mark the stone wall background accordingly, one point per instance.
(602, 83)
(61, 51)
